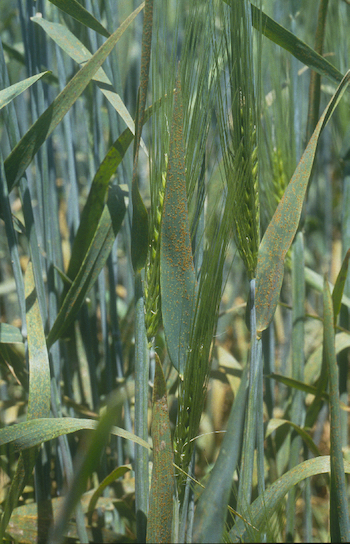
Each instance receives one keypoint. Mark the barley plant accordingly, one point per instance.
(174, 299)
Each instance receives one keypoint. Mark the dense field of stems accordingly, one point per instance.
(174, 248)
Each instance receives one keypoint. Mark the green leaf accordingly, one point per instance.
(139, 227)
(29, 522)
(177, 276)
(339, 510)
(276, 423)
(8, 94)
(313, 365)
(160, 515)
(114, 475)
(23, 153)
(10, 334)
(263, 507)
(315, 280)
(94, 205)
(95, 258)
(88, 462)
(39, 365)
(39, 393)
(78, 12)
(296, 47)
(211, 510)
(36, 431)
(139, 230)
(93, 208)
(80, 54)
(283, 226)
(339, 285)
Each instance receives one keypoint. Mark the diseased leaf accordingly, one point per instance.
(283, 226)
(10, 334)
(160, 515)
(39, 365)
(39, 394)
(177, 275)
(32, 433)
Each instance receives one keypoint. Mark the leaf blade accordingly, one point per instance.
(177, 275)
(23, 153)
(283, 226)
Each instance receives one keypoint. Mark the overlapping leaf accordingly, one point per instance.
(291, 43)
(80, 54)
(94, 260)
(262, 508)
(283, 226)
(22, 155)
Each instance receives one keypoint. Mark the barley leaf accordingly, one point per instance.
(211, 509)
(313, 365)
(339, 511)
(139, 227)
(32, 433)
(8, 94)
(296, 47)
(80, 54)
(22, 155)
(339, 285)
(39, 366)
(160, 515)
(263, 507)
(78, 12)
(276, 423)
(39, 393)
(283, 226)
(177, 276)
(94, 260)
(114, 475)
(10, 334)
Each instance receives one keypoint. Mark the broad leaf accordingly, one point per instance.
(177, 276)
(283, 226)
